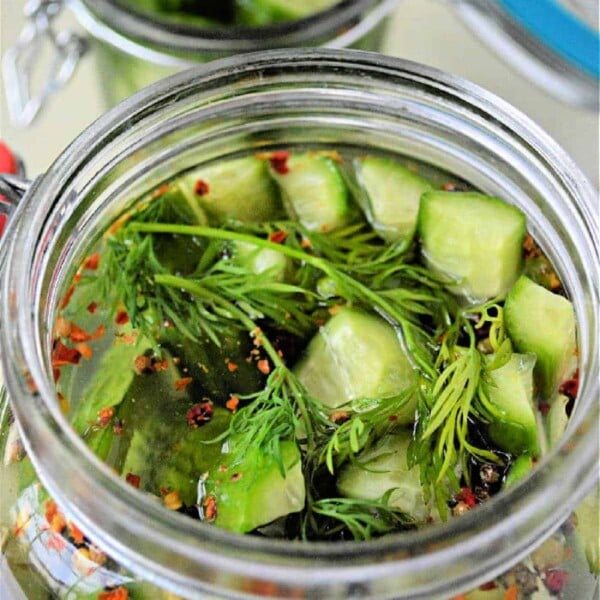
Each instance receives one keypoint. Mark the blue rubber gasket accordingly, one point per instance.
(559, 30)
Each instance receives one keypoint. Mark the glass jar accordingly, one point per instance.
(256, 103)
(554, 43)
(133, 49)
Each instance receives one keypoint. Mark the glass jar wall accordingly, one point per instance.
(295, 98)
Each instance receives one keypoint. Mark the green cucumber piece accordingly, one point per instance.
(314, 192)
(519, 469)
(239, 189)
(168, 454)
(108, 386)
(557, 419)
(541, 322)
(510, 391)
(391, 194)
(473, 239)
(382, 468)
(252, 491)
(357, 356)
(263, 260)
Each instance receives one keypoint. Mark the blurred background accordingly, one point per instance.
(427, 31)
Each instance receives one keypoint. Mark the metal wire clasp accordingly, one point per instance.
(21, 60)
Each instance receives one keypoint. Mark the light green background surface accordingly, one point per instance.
(427, 31)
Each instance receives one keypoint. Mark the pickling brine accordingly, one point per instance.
(312, 344)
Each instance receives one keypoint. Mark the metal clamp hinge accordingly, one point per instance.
(21, 61)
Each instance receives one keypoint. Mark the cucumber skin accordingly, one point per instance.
(510, 389)
(352, 346)
(383, 467)
(239, 189)
(543, 323)
(386, 184)
(252, 491)
(474, 239)
(314, 192)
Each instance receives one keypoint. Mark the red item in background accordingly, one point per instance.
(8, 164)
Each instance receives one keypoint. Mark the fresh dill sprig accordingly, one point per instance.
(457, 398)
(364, 519)
(363, 426)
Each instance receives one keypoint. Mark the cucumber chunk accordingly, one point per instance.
(510, 390)
(519, 469)
(474, 239)
(239, 189)
(253, 492)
(263, 260)
(354, 356)
(541, 322)
(557, 419)
(381, 468)
(314, 191)
(392, 195)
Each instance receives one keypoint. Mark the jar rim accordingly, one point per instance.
(186, 39)
(415, 552)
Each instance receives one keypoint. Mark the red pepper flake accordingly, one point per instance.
(210, 508)
(143, 365)
(264, 366)
(172, 500)
(77, 334)
(62, 355)
(467, 496)
(159, 191)
(56, 542)
(182, 383)
(305, 243)
(490, 585)
(63, 403)
(56, 374)
(118, 224)
(512, 592)
(57, 523)
(68, 296)
(119, 593)
(160, 365)
(85, 351)
(105, 415)
(236, 477)
(31, 385)
(92, 261)
(339, 416)
(62, 328)
(570, 387)
(133, 479)
(233, 403)
(122, 318)
(98, 332)
(75, 533)
(555, 580)
(50, 510)
(393, 418)
(118, 427)
(232, 367)
(278, 237)
(544, 408)
(200, 414)
(279, 160)
(201, 188)
(91, 307)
